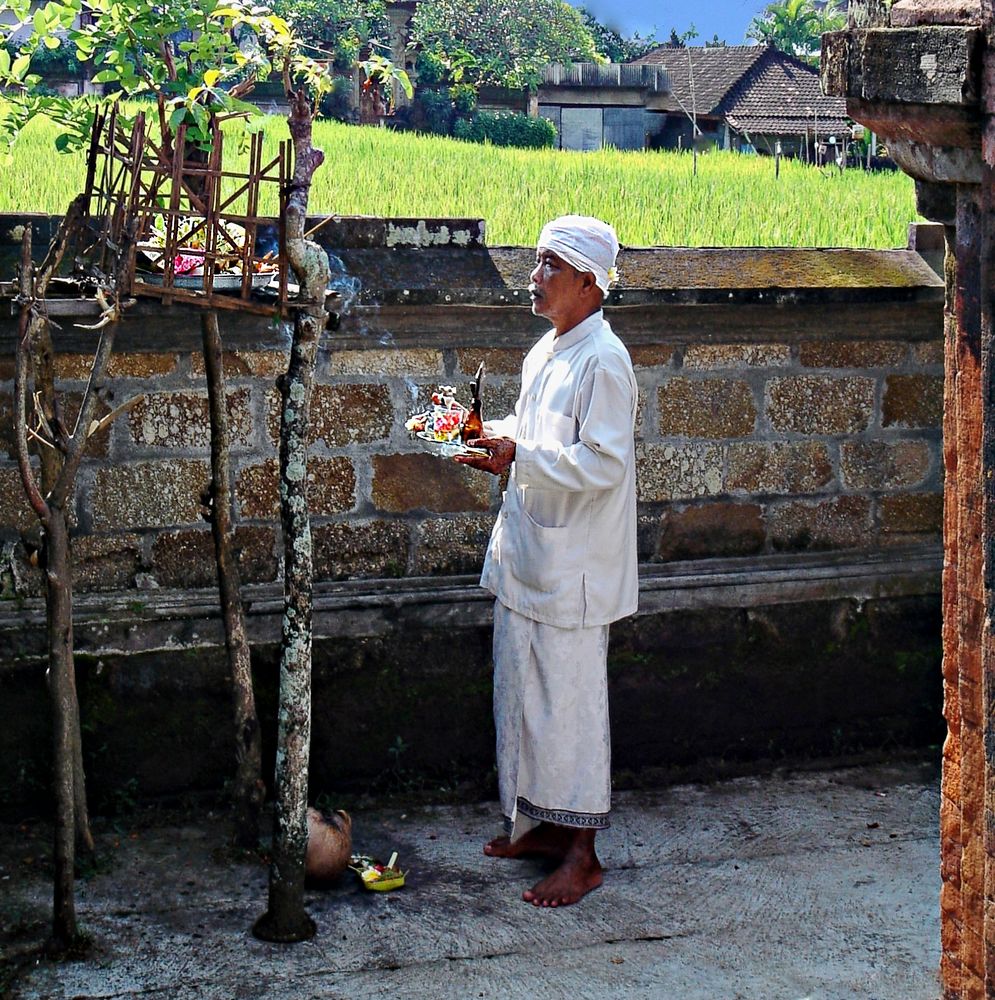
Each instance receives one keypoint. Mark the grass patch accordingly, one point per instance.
(651, 197)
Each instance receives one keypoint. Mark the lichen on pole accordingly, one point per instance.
(286, 919)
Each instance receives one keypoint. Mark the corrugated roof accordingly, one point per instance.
(712, 72)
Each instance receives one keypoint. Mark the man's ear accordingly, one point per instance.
(588, 283)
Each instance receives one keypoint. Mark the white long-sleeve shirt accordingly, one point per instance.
(563, 550)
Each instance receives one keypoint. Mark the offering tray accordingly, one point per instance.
(220, 282)
(449, 448)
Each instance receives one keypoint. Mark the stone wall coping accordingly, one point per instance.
(142, 621)
(465, 293)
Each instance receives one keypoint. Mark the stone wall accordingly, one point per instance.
(789, 478)
(742, 449)
(807, 428)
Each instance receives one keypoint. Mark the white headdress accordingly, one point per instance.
(585, 243)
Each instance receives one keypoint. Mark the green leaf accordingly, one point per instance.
(177, 117)
(20, 67)
(211, 77)
(63, 142)
(4, 62)
(52, 41)
(106, 76)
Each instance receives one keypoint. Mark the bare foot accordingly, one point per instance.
(543, 841)
(579, 873)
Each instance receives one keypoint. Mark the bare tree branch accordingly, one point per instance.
(26, 296)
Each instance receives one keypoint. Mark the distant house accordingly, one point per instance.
(744, 97)
(594, 105)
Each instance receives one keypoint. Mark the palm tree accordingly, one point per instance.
(796, 26)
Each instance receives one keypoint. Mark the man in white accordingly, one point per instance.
(561, 562)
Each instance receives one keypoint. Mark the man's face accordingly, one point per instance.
(554, 286)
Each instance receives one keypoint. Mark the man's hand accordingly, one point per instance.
(501, 453)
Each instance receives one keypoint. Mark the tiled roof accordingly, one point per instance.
(781, 95)
(713, 72)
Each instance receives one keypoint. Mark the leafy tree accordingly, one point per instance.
(134, 46)
(341, 29)
(612, 44)
(506, 43)
(797, 26)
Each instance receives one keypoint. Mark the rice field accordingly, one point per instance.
(651, 197)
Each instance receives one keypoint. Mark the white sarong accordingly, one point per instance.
(551, 715)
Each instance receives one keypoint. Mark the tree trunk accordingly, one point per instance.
(51, 510)
(249, 790)
(64, 722)
(286, 918)
(39, 343)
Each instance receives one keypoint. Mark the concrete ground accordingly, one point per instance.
(804, 886)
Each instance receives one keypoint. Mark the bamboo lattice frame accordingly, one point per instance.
(188, 196)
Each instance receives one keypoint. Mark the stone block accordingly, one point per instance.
(182, 420)
(105, 562)
(414, 361)
(76, 367)
(141, 366)
(353, 413)
(778, 467)
(883, 465)
(497, 360)
(364, 549)
(677, 472)
(852, 353)
(837, 523)
(499, 398)
(710, 530)
(912, 401)
(331, 488)
(244, 364)
(652, 355)
(452, 545)
(928, 352)
(911, 513)
(15, 512)
(20, 575)
(706, 408)
(709, 356)
(97, 446)
(186, 558)
(816, 404)
(915, 13)
(148, 494)
(425, 482)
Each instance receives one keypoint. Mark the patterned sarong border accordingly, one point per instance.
(563, 817)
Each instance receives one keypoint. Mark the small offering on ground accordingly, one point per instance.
(377, 876)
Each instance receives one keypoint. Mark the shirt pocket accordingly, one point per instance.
(544, 558)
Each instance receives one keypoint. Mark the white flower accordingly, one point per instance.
(612, 275)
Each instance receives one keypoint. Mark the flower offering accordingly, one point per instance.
(443, 422)
(376, 876)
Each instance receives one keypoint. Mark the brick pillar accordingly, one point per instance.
(942, 132)
(985, 198)
(951, 907)
(969, 610)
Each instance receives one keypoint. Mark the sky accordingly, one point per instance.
(726, 18)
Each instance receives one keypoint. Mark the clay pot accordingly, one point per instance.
(329, 844)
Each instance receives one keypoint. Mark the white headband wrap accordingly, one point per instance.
(585, 243)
